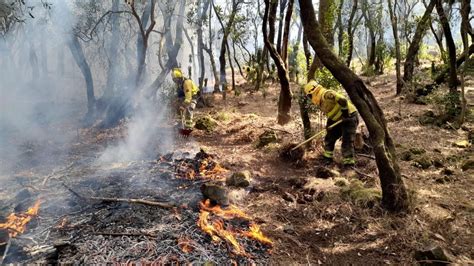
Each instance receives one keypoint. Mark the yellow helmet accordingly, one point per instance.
(176, 73)
(311, 87)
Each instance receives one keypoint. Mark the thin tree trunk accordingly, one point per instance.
(202, 68)
(326, 19)
(394, 20)
(232, 70)
(408, 67)
(340, 29)
(280, 25)
(284, 102)
(453, 80)
(78, 55)
(211, 53)
(112, 70)
(237, 61)
(394, 194)
(350, 33)
(226, 30)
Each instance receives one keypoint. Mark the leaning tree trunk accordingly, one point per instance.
(393, 19)
(284, 101)
(394, 194)
(408, 67)
(451, 47)
(80, 59)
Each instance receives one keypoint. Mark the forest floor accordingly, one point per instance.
(310, 217)
(332, 229)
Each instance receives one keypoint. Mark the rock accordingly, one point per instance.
(216, 193)
(461, 144)
(423, 162)
(437, 254)
(267, 137)
(324, 172)
(406, 156)
(341, 182)
(417, 151)
(206, 123)
(438, 163)
(239, 179)
(427, 118)
(447, 171)
(467, 164)
(470, 136)
(437, 150)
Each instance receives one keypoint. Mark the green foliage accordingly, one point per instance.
(325, 78)
(445, 102)
(424, 53)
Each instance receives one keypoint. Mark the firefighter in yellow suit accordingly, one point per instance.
(187, 93)
(336, 107)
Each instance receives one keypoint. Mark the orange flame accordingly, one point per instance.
(16, 223)
(229, 213)
(218, 232)
(256, 233)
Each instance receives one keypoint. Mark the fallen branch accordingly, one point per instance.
(124, 234)
(276, 129)
(366, 156)
(57, 172)
(135, 201)
(362, 174)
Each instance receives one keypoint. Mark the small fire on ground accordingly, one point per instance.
(16, 223)
(203, 166)
(218, 224)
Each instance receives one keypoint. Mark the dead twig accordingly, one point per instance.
(276, 129)
(366, 156)
(124, 234)
(135, 201)
(57, 172)
(361, 173)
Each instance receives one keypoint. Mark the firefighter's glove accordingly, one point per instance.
(345, 113)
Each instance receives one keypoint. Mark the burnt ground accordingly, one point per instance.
(307, 217)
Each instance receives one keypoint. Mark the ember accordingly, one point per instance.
(203, 166)
(218, 231)
(16, 223)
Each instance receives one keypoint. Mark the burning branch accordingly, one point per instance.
(16, 223)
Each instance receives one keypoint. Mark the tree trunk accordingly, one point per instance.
(453, 80)
(112, 70)
(232, 71)
(340, 30)
(284, 101)
(80, 59)
(439, 41)
(211, 53)
(286, 33)
(236, 60)
(280, 26)
(202, 68)
(326, 19)
(372, 39)
(466, 28)
(394, 18)
(394, 194)
(226, 31)
(350, 33)
(415, 44)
